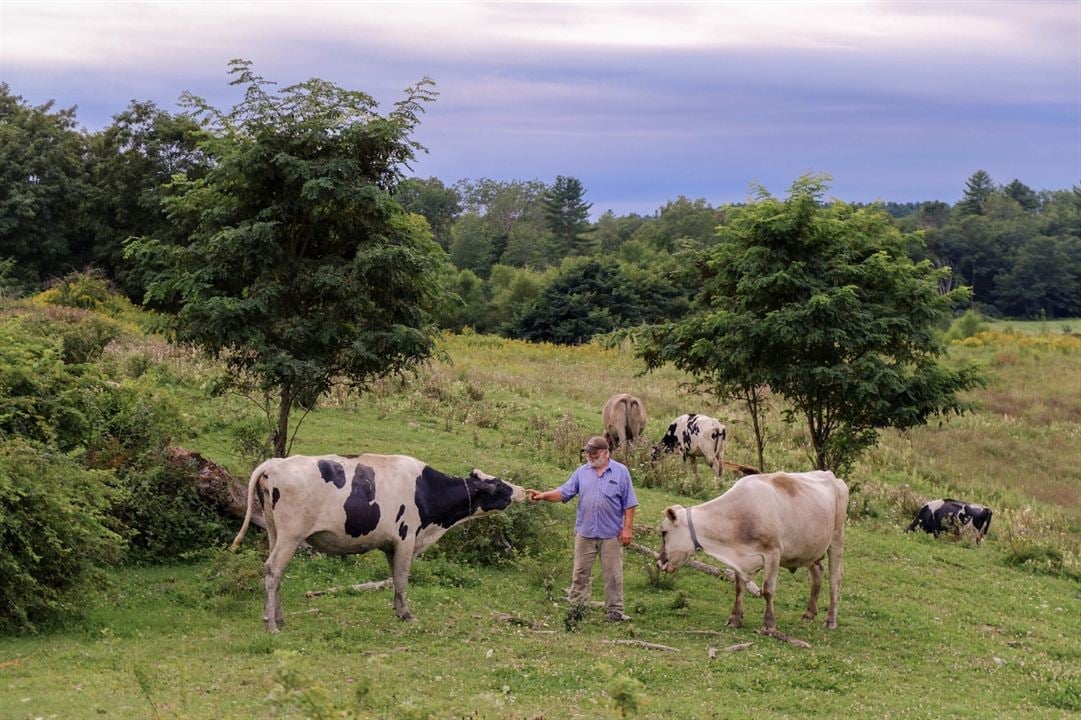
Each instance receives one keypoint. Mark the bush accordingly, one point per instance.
(500, 538)
(54, 530)
(163, 514)
(42, 399)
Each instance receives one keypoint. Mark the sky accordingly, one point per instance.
(643, 102)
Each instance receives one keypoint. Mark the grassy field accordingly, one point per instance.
(928, 629)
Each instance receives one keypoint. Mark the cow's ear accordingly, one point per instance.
(670, 511)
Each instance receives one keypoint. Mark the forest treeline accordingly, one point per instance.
(523, 258)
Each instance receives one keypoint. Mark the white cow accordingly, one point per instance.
(624, 420)
(766, 522)
(352, 504)
(693, 436)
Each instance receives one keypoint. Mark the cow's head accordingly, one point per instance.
(489, 493)
(667, 443)
(980, 517)
(676, 544)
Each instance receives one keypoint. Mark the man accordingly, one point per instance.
(603, 523)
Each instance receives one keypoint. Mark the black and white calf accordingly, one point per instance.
(952, 515)
(693, 435)
(352, 504)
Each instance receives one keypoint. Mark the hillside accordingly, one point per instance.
(927, 628)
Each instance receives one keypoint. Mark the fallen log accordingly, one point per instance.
(359, 587)
(641, 644)
(786, 638)
(726, 573)
(215, 485)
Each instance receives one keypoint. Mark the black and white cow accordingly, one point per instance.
(693, 435)
(352, 504)
(939, 516)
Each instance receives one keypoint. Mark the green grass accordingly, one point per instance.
(928, 629)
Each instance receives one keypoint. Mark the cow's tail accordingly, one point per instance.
(255, 475)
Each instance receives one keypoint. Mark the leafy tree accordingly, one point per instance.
(42, 188)
(567, 215)
(130, 166)
(514, 212)
(681, 219)
(978, 188)
(822, 305)
(589, 298)
(439, 204)
(302, 271)
(472, 244)
(1044, 279)
(611, 231)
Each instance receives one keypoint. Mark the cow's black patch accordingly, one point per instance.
(445, 500)
(401, 511)
(274, 498)
(403, 530)
(332, 472)
(361, 509)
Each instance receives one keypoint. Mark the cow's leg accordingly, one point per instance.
(736, 618)
(835, 554)
(273, 569)
(694, 465)
(399, 558)
(816, 584)
(769, 588)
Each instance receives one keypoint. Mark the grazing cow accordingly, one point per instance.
(352, 504)
(945, 515)
(766, 522)
(624, 419)
(695, 435)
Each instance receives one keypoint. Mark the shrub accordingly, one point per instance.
(163, 514)
(501, 537)
(54, 530)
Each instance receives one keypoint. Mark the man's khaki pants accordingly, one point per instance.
(585, 552)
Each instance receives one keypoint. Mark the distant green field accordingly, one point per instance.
(928, 629)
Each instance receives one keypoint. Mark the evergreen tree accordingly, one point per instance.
(567, 215)
(978, 189)
(1024, 195)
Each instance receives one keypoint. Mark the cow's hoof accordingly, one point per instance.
(407, 617)
(808, 616)
(734, 622)
(831, 624)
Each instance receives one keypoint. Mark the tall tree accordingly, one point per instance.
(302, 271)
(978, 189)
(1024, 195)
(42, 188)
(131, 164)
(822, 305)
(439, 204)
(567, 215)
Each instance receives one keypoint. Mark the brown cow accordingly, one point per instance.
(624, 419)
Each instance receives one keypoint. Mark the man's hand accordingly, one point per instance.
(534, 494)
(625, 536)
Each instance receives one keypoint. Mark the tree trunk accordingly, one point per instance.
(281, 434)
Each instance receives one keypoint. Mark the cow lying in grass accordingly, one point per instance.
(766, 522)
(352, 504)
(940, 516)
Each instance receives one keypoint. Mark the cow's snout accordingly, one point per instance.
(517, 493)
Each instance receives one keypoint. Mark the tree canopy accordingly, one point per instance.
(301, 269)
(823, 306)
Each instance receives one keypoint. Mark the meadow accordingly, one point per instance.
(928, 628)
